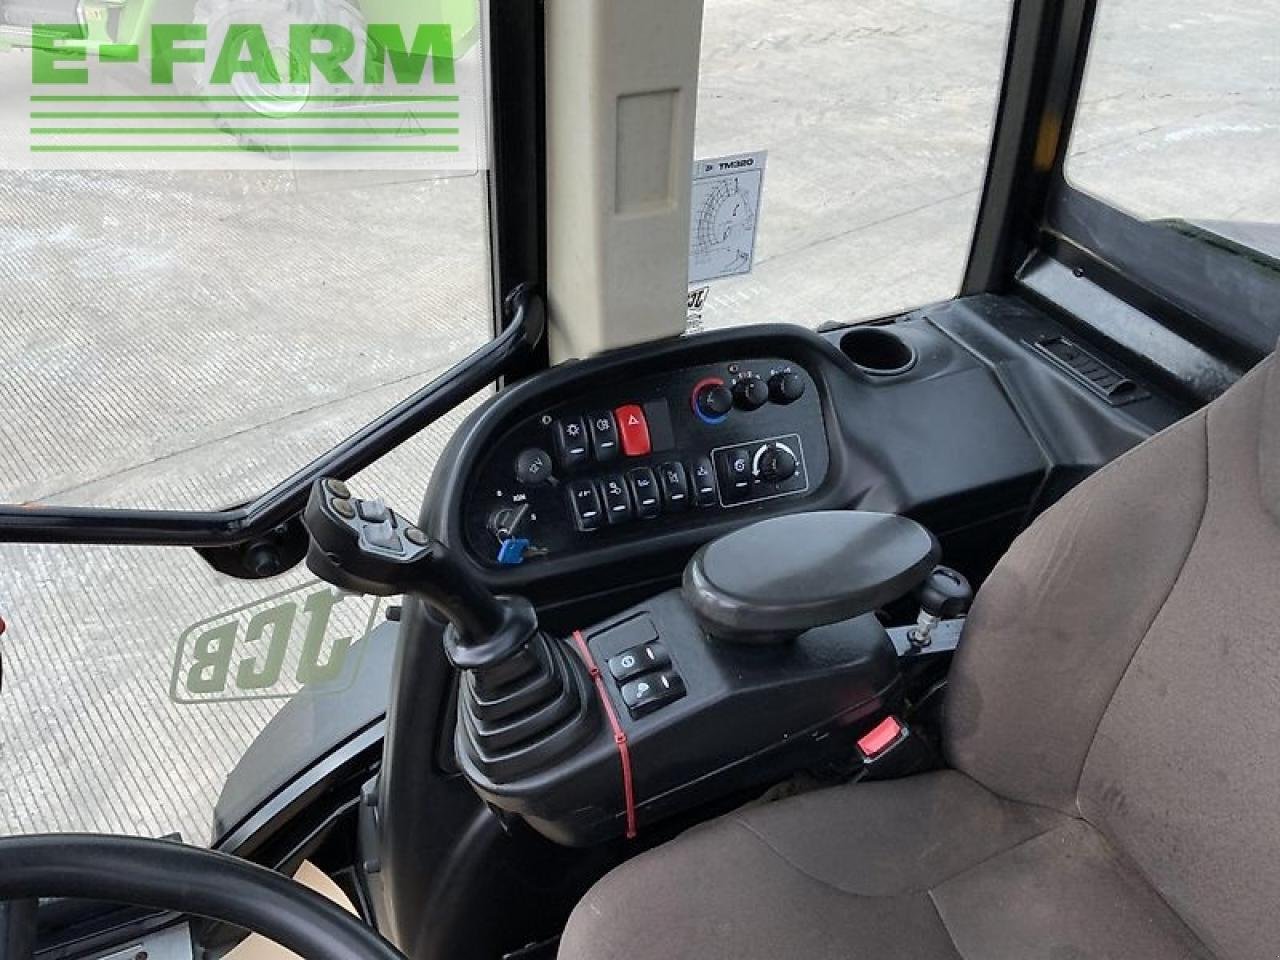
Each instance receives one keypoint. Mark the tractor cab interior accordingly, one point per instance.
(943, 633)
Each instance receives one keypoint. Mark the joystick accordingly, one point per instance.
(524, 697)
(944, 595)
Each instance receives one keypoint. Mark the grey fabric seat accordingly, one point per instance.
(1114, 728)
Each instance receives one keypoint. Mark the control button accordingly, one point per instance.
(644, 487)
(734, 470)
(570, 436)
(712, 400)
(417, 537)
(774, 463)
(703, 478)
(633, 429)
(585, 503)
(617, 502)
(675, 486)
(650, 692)
(750, 393)
(337, 488)
(604, 436)
(382, 533)
(533, 466)
(373, 511)
(343, 508)
(637, 660)
(786, 386)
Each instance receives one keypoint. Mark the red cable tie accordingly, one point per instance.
(619, 735)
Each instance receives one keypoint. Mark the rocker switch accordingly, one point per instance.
(634, 429)
(585, 504)
(651, 691)
(570, 436)
(604, 435)
(637, 660)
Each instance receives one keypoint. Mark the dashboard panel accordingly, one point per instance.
(665, 452)
(602, 476)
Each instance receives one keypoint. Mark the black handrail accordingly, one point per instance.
(45, 523)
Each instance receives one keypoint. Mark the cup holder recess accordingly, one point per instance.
(878, 351)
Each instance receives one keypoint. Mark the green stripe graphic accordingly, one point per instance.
(232, 114)
(244, 148)
(222, 131)
(303, 98)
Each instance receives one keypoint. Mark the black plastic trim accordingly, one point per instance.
(1206, 293)
(517, 176)
(353, 761)
(1048, 42)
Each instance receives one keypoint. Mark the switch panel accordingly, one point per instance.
(629, 460)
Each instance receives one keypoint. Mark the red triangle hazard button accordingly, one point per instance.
(634, 429)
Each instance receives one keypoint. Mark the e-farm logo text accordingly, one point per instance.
(328, 94)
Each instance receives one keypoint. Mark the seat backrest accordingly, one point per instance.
(1122, 664)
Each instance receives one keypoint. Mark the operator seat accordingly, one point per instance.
(1113, 725)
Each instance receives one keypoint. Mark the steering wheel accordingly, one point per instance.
(167, 875)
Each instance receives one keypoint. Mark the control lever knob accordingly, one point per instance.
(944, 595)
(750, 393)
(533, 467)
(786, 386)
(775, 463)
(713, 400)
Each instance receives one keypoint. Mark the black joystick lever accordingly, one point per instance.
(944, 595)
(365, 547)
(524, 698)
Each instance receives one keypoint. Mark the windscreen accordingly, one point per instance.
(856, 139)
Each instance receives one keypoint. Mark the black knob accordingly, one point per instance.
(775, 463)
(713, 400)
(945, 593)
(533, 467)
(750, 393)
(786, 387)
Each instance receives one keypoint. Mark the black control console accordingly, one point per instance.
(669, 451)
(692, 695)
(743, 675)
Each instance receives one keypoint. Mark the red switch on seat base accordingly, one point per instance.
(880, 738)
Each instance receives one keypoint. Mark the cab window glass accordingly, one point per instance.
(1179, 117)
(229, 279)
(876, 120)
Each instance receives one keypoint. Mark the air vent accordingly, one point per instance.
(1105, 381)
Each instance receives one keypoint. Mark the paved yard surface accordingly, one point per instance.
(184, 339)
